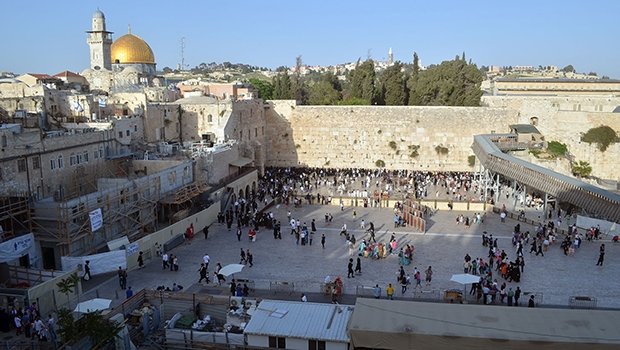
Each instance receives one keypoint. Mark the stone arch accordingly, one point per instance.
(254, 186)
(247, 190)
(241, 195)
(534, 121)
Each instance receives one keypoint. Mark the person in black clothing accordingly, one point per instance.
(87, 270)
(517, 296)
(601, 255)
(531, 303)
(358, 265)
(233, 287)
(350, 272)
(203, 273)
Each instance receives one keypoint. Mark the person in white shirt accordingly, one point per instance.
(206, 259)
(303, 298)
(164, 260)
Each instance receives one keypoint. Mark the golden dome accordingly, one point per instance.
(130, 48)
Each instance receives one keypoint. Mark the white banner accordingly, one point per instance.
(17, 247)
(99, 263)
(96, 219)
(132, 249)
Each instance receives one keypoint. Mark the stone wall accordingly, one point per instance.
(358, 136)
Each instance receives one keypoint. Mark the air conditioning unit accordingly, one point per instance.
(236, 302)
(250, 303)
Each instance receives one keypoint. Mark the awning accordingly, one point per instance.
(241, 162)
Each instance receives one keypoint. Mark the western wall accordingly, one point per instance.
(359, 136)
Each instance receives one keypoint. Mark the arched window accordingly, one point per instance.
(85, 156)
(53, 163)
(96, 153)
(61, 162)
(210, 118)
(72, 159)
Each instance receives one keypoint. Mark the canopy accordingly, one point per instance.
(465, 278)
(93, 305)
(231, 269)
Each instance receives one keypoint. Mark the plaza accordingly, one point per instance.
(555, 277)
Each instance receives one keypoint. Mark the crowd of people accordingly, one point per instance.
(27, 321)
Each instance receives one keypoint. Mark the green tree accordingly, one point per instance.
(362, 82)
(265, 89)
(568, 69)
(393, 85)
(602, 135)
(327, 91)
(282, 87)
(414, 95)
(67, 285)
(452, 83)
(582, 169)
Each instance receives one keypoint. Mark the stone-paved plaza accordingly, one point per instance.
(443, 246)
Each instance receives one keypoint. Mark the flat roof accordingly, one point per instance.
(374, 317)
(296, 319)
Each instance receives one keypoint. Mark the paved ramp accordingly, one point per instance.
(489, 151)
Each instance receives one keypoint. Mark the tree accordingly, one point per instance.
(414, 95)
(568, 69)
(602, 135)
(393, 85)
(582, 169)
(167, 70)
(362, 82)
(593, 74)
(327, 91)
(100, 330)
(282, 88)
(265, 89)
(452, 83)
(67, 285)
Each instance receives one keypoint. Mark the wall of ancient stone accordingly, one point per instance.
(359, 136)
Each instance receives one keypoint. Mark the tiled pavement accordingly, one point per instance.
(443, 247)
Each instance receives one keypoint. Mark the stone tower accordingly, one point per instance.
(390, 57)
(99, 41)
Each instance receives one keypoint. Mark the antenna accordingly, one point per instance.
(182, 53)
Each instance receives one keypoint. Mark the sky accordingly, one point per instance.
(39, 36)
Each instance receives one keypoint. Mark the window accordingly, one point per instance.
(72, 159)
(79, 158)
(61, 162)
(186, 172)
(277, 342)
(128, 133)
(96, 154)
(36, 162)
(316, 345)
(100, 152)
(5, 142)
(210, 118)
(120, 134)
(21, 165)
(85, 155)
(135, 128)
(255, 132)
(53, 163)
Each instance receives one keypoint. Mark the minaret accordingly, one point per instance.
(99, 41)
(390, 57)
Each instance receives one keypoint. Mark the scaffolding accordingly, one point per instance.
(181, 201)
(128, 208)
(14, 216)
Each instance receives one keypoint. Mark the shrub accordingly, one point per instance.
(471, 160)
(555, 149)
(380, 164)
(393, 145)
(602, 135)
(582, 169)
(441, 150)
(414, 151)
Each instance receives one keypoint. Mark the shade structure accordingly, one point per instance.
(93, 305)
(465, 278)
(231, 269)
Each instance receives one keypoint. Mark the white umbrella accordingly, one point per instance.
(231, 269)
(93, 305)
(464, 279)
